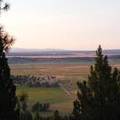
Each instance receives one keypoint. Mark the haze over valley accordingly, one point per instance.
(58, 56)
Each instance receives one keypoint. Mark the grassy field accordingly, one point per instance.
(57, 70)
(55, 96)
(63, 72)
(43, 95)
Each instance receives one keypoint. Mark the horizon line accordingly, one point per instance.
(60, 49)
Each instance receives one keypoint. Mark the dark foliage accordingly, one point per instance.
(99, 97)
(35, 81)
(38, 107)
(22, 101)
(37, 116)
(7, 88)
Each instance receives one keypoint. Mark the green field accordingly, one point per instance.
(54, 96)
(51, 95)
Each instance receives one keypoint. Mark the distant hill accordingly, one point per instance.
(14, 50)
(56, 56)
(58, 53)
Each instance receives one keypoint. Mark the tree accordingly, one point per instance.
(99, 97)
(7, 88)
(23, 98)
(37, 116)
(57, 115)
(25, 114)
(4, 6)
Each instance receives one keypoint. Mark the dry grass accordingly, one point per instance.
(67, 70)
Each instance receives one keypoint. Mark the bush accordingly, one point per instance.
(38, 107)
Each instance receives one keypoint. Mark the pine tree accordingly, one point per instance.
(57, 115)
(7, 88)
(37, 116)
(99, 97)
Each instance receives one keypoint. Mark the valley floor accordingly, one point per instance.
(59, 99)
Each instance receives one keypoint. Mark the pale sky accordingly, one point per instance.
(64, 24)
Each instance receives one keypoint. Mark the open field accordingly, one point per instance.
(63, 72)
(51, 95)
(55, 96)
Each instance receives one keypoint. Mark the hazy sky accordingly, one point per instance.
(64, 24)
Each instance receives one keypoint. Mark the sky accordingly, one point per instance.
(63, 24)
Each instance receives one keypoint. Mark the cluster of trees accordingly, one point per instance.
(40, 107)
(25, 113)
(97, 99)
(35, 81)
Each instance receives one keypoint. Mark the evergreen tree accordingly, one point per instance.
(37, 116)
(23, 100)
(57, 115)
(7, 88)
(99, 97)
(24, 113)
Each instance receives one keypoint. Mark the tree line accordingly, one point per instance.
(35, 81)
